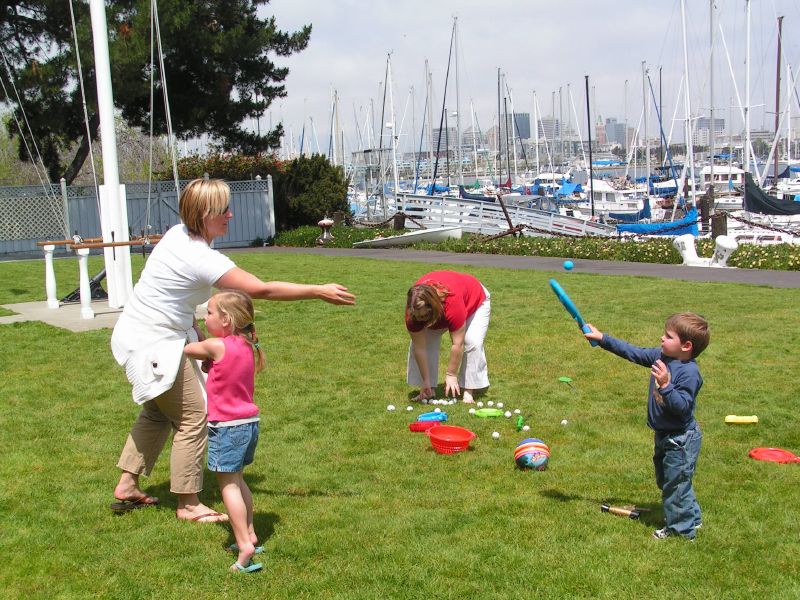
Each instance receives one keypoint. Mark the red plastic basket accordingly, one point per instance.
(422, 425)
(449, 439)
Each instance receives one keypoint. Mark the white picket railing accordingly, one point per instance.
(476, 216)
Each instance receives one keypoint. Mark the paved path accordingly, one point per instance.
(68, 316)
(779, 279)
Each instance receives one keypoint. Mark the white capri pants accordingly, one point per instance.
(473, 373)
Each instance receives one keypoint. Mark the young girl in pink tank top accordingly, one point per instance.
(233, 357)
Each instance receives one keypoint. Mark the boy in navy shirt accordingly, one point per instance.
(675, 382)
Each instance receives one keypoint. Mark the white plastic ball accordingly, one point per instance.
(499, 405)
(472, 411)
(424, 400)
(496, 435)
(564, 421)
(516, 411)
(390, 407)
(490, 403)
(437, 410)
(507, 414)
(480, 404)
(526, 428)
(409, 408)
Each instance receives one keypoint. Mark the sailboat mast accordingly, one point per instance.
(429, 101)
(778, 97)
(393, 128)
(712, 125)
(536, 134)
(687, 103)
(589, 127)
(499, 168)
(458, 109)
(747, 91)
(645, 108)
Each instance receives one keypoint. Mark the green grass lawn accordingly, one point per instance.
(351, 504)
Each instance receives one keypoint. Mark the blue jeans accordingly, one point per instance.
(675, 458)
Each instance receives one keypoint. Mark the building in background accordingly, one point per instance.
(702, 132)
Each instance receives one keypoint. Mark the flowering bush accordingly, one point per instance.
(782, 257)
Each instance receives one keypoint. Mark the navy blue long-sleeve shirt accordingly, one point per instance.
(671, 408)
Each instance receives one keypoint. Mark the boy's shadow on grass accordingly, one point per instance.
(650, 514)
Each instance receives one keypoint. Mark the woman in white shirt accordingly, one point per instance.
(149, 337)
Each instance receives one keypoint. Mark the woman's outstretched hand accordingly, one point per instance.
(336, 294)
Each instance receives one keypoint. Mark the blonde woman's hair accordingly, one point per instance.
(201, 198)
(690, 327)
(425, 303)
(238, 307)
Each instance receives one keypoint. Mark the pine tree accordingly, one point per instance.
(218, 59)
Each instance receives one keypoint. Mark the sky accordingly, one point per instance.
(540, 46)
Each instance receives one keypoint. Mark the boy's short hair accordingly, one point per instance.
(690, 327)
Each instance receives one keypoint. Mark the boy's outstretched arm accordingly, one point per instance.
(593, 334)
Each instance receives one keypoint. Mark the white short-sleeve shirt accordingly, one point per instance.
(149, 335)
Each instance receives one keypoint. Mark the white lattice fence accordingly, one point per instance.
(31, 213)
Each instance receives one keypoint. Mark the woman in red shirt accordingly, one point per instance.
(447, 301)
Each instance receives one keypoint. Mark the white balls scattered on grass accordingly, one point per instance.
(564, 421)
(480, 404)
(496, 435)
(507, 414)
(424, 400)
(437, 410)
(472, 411)
(499, 405)
(490, 403)
(516, 411)
(526, 428)
(390, 408)
(409, 408)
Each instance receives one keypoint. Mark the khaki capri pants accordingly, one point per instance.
(182, 410)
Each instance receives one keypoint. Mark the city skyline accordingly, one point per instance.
(546, 47)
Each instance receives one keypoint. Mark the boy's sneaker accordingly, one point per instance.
(662, 534)
(699, 525)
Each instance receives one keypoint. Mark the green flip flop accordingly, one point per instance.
(235, 549)
(250, 568)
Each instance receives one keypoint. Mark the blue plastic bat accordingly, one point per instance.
(571, 308)
(433, 416)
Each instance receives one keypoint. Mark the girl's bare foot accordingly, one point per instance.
(468, 399)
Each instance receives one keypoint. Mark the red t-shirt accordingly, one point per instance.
(465, 295)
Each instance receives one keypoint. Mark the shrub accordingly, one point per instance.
(306, 189)
(783, 257)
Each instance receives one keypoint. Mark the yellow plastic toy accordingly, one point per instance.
(740, 420)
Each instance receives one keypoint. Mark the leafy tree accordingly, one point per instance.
(12, 170)
(218, 63)
(309, 189)
(305, 189)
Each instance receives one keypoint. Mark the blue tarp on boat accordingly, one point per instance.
(688, 224)
(567, 189)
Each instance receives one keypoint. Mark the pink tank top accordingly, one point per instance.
(231, 381)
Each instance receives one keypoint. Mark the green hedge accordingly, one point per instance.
(782, 257)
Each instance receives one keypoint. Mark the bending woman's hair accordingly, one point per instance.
(425, 303)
